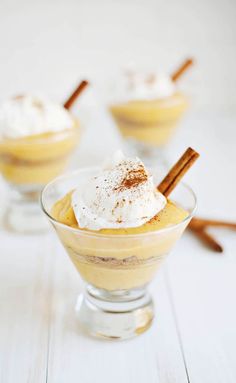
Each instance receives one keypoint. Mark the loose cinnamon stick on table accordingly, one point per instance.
(183, 68)
(77, 92)
(198, 226)
(207, 239)
(199, 223)
(177, 171)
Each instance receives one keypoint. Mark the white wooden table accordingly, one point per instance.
(193, 338)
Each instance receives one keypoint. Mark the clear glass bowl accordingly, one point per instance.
(28, 164)
(148, 125)
(116, 269)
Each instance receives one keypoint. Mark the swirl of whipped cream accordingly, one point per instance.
(30, 115)
(135, 86)
(121, 195)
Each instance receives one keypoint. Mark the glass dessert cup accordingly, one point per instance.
(27, 164)
(116, 269)
(148, 125)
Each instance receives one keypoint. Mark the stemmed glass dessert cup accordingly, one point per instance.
(28, 164)
(116, 269)
(149, 125)
(147, 108)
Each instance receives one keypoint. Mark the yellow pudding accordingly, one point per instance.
(38, 158)
(152, 122)
(171, 215)
(36, 138)
(119, 259)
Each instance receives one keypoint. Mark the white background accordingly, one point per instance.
(47, 46)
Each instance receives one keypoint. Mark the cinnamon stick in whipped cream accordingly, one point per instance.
(197, 226)
(77, 92)
(182, 69)
(178, 171)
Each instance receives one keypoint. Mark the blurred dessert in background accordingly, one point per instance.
(149, 107)
(36, 138)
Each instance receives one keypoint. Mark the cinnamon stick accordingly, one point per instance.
(199, 223)
(178, 171)
(206, 238)
(198, 227)
(183, 68)
(77, 92)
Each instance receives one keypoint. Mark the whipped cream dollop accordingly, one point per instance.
(122, 194)
(145, 86)
(30, 115)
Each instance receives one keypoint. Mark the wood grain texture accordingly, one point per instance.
(203, 290)
(24, 308)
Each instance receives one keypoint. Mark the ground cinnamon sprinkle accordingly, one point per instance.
(133, 178)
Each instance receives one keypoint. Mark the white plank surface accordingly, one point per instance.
(24, 308)
(194, 335)
(193, 338)
(203, 289)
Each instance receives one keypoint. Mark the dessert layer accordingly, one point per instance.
(37, 159)
(150, 111)
(121, 194)
(28, 115)
(170, 215)
(143, 85)
(118, 256)
(112, 262)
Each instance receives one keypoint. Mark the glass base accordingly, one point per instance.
(115, 315)
(23, 213)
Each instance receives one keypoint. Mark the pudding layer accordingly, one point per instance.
(117, 259)
(37, 159)
(149, 121)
